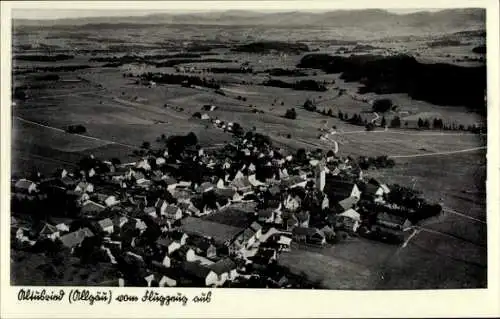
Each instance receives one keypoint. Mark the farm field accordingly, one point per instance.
(120, 112)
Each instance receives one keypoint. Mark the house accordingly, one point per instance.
(106, 225)
(167, 245)
(142, 164)
(303, 218)
(284, 243)
(68, 182)
(111, 201)
(205, 187)
(62, 227)
(170, 211)
(200, 273)
(119, 221)
(241, 183)
(348, 202)
(25, 186)
(294, 181)
(223, 235)
(266, 215)
(179, 237)
(249, 236)
(225, 269)
(265, 256)
(290, 221)
(167, 282)
(75, 238)
(392, 221)
(329, 233)
(202, 247)
(84, 187)
(49, 231)
(348, 220)
(292, 203)
(308, 235)
(91, 208)
(338, 188)
(173, 212)
(252, 179)
(375, 191)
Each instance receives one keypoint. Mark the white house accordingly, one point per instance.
(166, 261)
(62, 227)
(106, 225)
(167, 282)
(84, 187)
(111, 201)
(25, 185)
(292, 203)
(143, 164)
(160, 161)
(350, 219)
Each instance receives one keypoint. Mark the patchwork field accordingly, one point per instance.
(120, 113)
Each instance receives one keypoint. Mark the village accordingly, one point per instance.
(185, 216)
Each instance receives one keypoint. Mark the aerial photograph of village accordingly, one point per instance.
(335, 149)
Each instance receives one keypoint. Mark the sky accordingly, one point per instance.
(61, 13)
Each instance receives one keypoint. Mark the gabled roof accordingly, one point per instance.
(255, 227)
(164, 241)
(307, 231)
(265, 213)
(337, 187)
(303, 216)
(390, 218)
(105, 223)
(171, 209)
(351, 213)
(223, 266)
(196, 269)
(48, 229)
(219, 232)
(75, 238)
(225, 192)
(292, 180)
(23, 184)
(91, 206)
(348, 202)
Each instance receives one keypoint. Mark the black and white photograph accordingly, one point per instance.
(264, 148)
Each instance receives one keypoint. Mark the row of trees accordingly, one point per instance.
(366, 162)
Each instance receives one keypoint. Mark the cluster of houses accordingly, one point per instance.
(163, 227)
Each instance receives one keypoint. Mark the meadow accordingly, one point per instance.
(119, 114)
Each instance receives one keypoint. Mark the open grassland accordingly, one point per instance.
(120, 114)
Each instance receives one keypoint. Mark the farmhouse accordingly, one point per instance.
(223, 235)
(25, 186)
(72, 240)
(348, 220)
(308, 236)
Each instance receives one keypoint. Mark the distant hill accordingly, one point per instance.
(450, 19)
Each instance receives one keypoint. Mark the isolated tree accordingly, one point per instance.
(396, 122)
(330, 112)
(301, 155)
(383, 123)
(382, 105)
(191, 138)
(340, 115)
(291, 114)
(146, 145)
(420, 123)
(197, 115)
(309, 105)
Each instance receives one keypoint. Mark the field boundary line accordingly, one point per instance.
(440, 153)
(452, 211)
(79, 135)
